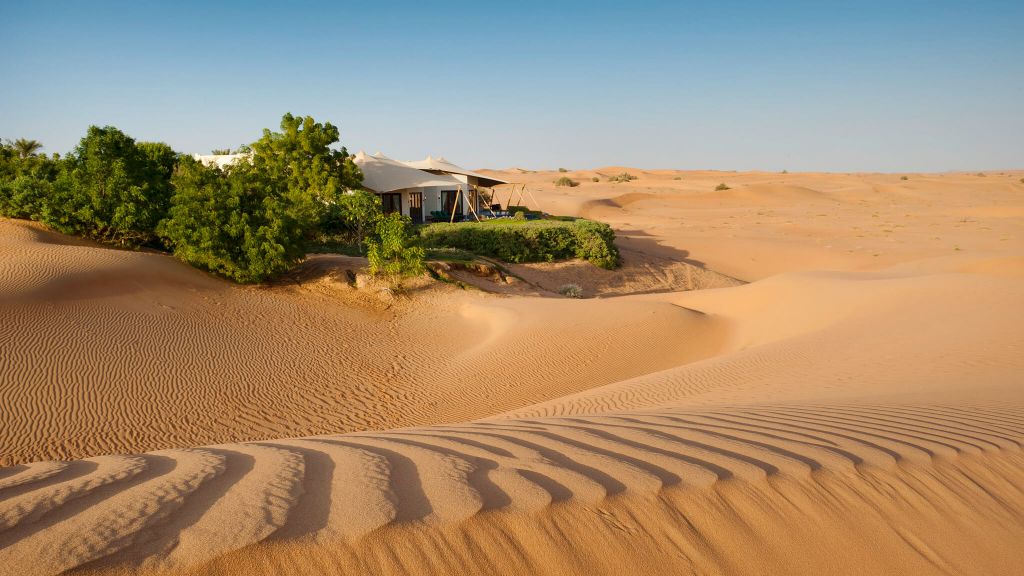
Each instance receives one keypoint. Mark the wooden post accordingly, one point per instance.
(534, 200)
(458, 195)
(510, 193)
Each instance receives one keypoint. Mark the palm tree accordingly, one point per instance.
(26, 148)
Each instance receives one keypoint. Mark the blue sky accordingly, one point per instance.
(797, 85)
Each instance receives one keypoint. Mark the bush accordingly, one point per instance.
(253, 220)
(623, 177)
(595, 179)
(353, 216)
(566, 181)
(109, 188)
(562, 170)
(528, 241)
(389, 250)
(721, 187)
(571, 291)
(904, 178)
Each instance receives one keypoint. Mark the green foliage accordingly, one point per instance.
(623, 177)
(252, 220)
(390, 251)
(721, 187)
(519, 215)
(450, 255)
(221, 151)
(566, 181)
(353, 216)
(25, 148)
(595, 179)
(109, 188)
(528, 241)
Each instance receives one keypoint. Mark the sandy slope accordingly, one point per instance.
(844, 413)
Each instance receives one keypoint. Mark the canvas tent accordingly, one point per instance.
(413, 192)
(472, 181)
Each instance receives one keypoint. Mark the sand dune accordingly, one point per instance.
(844, 412)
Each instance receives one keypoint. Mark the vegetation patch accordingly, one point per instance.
(722, 186)
(566, 181)
(528, 240)
(623, 177)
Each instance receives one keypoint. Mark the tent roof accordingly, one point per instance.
(382, 174)
(440, 164)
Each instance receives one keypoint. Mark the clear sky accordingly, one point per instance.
(798, 85)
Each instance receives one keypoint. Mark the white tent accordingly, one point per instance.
(440, 164)
(382, 174)
(221, 160)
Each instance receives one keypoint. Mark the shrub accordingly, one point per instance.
(519, 215)
(528, 241)
(253, 219)
(571, 291)
(562, 170)
(595, 179)
(389, 250)
(566, 181)
(981, 174)
(353, 216)
(721, 187)
(1022, 180)
(904, 178)
(623, 177)
(678, 178)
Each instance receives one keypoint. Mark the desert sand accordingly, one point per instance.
(802, 374)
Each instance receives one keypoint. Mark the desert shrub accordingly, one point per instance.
(678, 178)
(253, 219)
(110, 187)
(352, 216)
(722, 186)
(528, 241)
(904, 178)
(595, 179)
(623, 177)
(390, 250)
(566, 181)
(571, 290)
(26, 180)
(981, 174)
(562, 170)
(519, 215)
(785, 171)
(1022, 180)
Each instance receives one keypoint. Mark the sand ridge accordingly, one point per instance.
(855, 408)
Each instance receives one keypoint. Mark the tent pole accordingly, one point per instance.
(510, 193)
(534, 199)
(458, 195)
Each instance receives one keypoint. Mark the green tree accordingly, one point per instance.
(390, 251)
(112, 188)
(26, 148)
(253, 219)
(354, 214)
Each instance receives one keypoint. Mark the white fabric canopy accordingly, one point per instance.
(440, 164)
(382, 174)
(220, 160)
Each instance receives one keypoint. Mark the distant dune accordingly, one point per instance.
(803, 374)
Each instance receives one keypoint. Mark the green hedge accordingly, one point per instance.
(528, 241)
